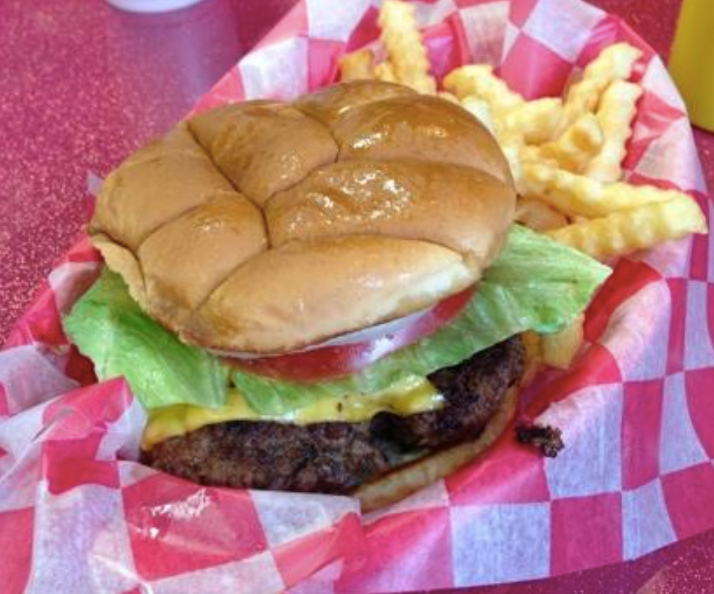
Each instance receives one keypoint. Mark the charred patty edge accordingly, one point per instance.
(336, 457)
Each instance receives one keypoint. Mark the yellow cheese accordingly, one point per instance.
(415, 397)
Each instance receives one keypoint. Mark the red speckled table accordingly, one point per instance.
(82, 84)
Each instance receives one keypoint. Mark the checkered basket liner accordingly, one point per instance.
(79, 514)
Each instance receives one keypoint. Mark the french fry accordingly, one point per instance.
(615, 113)
(534, 357)
(518, 153)
(537, 120)
(574, 149)
(385, 72)
(539, 216)
(533, 154)
(356, 65)
(575, 194)
(407, 54)
(450, 97)
(559, 349)
(512, 146)
(478, 80)
(624, 232)
(614, 63)
(480, 109)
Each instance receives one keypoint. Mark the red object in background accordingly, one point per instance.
(84, 84)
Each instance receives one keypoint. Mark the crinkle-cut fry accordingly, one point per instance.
(575, 194)
(356, 65)
(640, 228)
(450, 97)
(532, 153)
(614, 63)
(539, 216)
(513, 156)
(534, 357)
(512, 147)
(537, 120)
(577, 146)
(559, 349)
(400, 36)
(479, 80)
(480, 109)
(615, 113)
(517, 153)
(384, 71)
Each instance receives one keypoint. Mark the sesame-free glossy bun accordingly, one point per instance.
(336, 284)
(263, 227)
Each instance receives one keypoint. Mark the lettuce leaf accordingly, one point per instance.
(108, 326)
(536, 284)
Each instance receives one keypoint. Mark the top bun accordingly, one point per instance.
(263, 227)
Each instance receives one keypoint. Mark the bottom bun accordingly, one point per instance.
(407, 479)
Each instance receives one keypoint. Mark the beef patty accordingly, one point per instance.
(337, 457)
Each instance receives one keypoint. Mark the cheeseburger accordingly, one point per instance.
(322, 296)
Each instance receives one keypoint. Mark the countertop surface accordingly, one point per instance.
(83, 84)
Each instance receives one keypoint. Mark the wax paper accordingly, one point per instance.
(79, 514)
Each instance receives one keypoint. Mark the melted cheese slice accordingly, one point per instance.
(407, 399)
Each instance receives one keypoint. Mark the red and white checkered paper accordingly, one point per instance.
(78, 515)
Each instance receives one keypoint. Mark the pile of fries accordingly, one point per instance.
(565, 152)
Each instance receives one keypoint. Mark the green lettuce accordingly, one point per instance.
(108, 326)
(536, 284)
